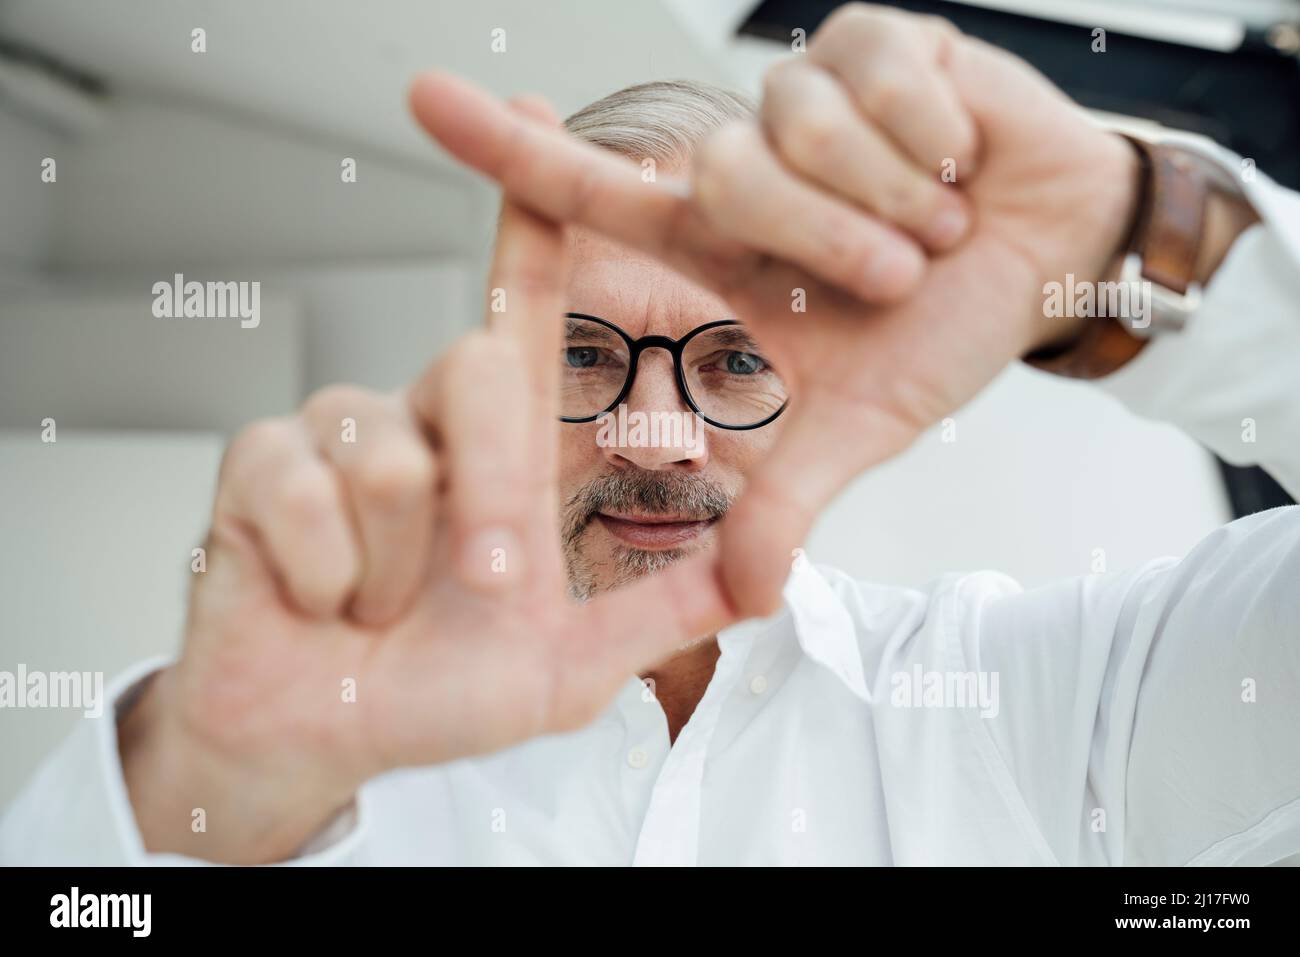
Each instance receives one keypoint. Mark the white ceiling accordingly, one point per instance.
(241, 137)
(341, 69)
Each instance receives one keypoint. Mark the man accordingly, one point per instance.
(381, 664)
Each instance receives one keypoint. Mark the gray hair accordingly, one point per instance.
(664, 120)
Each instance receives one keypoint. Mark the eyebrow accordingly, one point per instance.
(579, 330)
(732, 336)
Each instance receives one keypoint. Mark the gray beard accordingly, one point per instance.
(629, 565)
(638, 491)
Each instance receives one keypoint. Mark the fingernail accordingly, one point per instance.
(948, 227)
(491, 557)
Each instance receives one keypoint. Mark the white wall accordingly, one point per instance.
(27, 205)
(96, 531)
(168, 184)
(1045, 479)
(376, 324)
(368, 280)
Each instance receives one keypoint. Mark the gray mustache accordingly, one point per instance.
(649, 492)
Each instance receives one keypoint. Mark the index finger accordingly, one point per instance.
(893, 64)
(565, 179)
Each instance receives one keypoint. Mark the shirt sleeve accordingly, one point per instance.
(76, 810)
(1152, 717)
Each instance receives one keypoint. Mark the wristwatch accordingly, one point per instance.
(1160, 262)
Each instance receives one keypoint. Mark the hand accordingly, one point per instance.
(917, 293)
(418, 569)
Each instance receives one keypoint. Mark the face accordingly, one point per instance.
(636, 498)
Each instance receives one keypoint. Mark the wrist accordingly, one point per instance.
(1127, 175)
(1188, 213)
(1104, 237)
(192, 798)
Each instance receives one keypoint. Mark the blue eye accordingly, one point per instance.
(581, 357)
(743, 363)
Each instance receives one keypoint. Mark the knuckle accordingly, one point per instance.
(717, 166)
(396, 477)
(812, 138)
(964, 147)
(474, 353)
(477, 361)
(869, 27)
(473, 348)
(885, 94)
(849, 13)
(777, 78)
(305, 497)
(845, 252)
(943, 30)
(530, 281)
(252, 443)
(907, 200)
(335, 400)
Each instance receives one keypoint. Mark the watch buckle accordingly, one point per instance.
(1167, 309)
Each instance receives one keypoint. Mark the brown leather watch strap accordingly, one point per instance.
(1171, 216)
(1166, 232)
(1102, 347)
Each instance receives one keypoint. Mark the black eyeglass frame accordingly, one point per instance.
(675, 348)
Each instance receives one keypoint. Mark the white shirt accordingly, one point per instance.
(1144, 717)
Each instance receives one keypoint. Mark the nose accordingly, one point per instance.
(654, 428)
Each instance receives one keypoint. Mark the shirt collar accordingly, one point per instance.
(822, 626)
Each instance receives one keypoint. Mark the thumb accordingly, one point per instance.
(821, 448)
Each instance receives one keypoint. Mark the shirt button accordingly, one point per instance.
(637, 758)
(758, 684)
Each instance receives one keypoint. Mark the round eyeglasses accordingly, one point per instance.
(720, 371)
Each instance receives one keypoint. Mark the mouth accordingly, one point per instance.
(652, 532)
